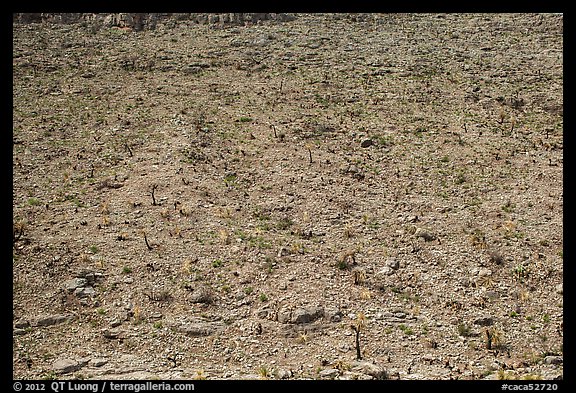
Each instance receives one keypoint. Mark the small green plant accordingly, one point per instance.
(419, 131)
(460, 178)
(74, 199)
(217, 263)
(248, 290)
(259, 242)
(230, 179)
(263, 297)
(157, 325)
(342, 265)
(407, 296)
(543, 338)
(50, 375)
(269, 264)
(520, 272)
(101, 311)
(531, 377)
(34, 201)
(464, 330)
(264, 372)
(241, 234)
(510, 375)
(284, 223)
(514, 235)
(383, 140)
(244, 119)
(371, 222)
(126, 270)
(321, 100)
(508, 207)
(93, 249)
(546, 318)
(406, 330)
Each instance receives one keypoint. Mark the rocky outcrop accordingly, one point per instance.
(149, 21)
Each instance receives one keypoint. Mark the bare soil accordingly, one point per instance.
(184, 199)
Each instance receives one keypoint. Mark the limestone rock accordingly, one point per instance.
(48, 320)
(197, 327)
(372, 369)
(65, 366)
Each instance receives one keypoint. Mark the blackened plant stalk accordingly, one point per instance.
(153, 188)
(358, 325)
(146, 241)
(127, 146)
(309, 147)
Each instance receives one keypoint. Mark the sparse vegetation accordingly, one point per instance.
(211, 196)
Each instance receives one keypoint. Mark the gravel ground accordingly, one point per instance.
(332, 197)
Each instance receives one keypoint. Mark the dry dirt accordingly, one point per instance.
(183, 198)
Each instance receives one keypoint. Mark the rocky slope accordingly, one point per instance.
(255, 200)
